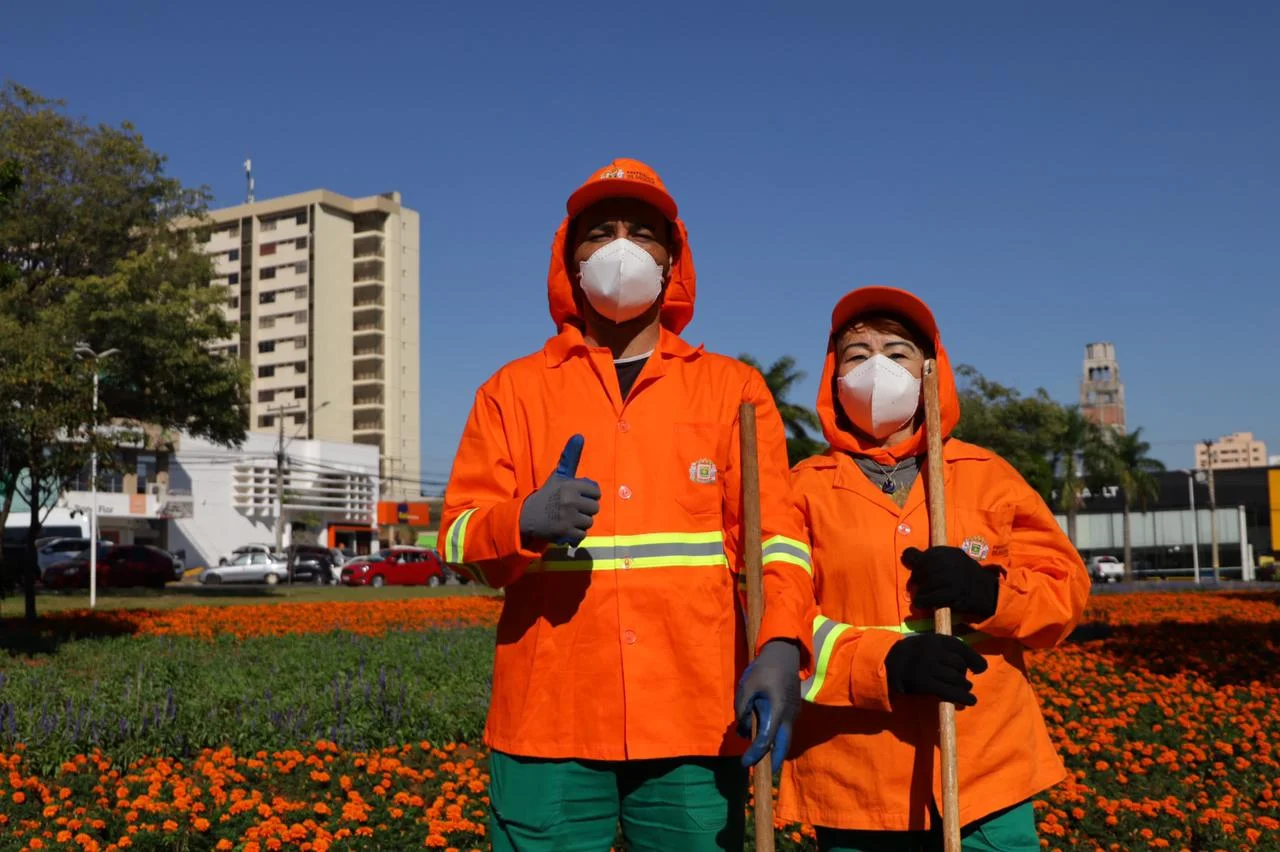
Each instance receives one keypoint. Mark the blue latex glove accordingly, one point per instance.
(769, 690)
(562, 510)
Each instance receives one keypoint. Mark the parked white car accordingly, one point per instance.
(1106, 569)
(264, 549)
(248, 568)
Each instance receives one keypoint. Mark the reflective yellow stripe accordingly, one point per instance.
(649, 550)
(826, 635)
(456, 539)
(779, 548)
(923, 625)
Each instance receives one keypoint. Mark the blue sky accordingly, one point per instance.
(1044, 174)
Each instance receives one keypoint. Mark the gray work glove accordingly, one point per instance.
(561, 511)
(769, 689)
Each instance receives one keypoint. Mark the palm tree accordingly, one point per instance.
(1077, 450)
(781, 377)
(1126, 460)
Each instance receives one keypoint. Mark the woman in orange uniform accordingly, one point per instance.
(864, 764)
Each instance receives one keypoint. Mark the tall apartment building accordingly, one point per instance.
(324, 290)
(1239, 449)
(1101, 391)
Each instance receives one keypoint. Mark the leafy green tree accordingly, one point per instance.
(1021, 429)
(800, 423)
(1126, 461)
(90, 237)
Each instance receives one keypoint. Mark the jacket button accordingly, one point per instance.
(904, 529)
(626, 562)
(629, 636)
(624, 426)
(624, 492)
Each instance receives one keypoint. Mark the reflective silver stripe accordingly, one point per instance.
(779, 548)
(601, 553)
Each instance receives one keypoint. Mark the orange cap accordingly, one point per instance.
(623, 178)
(889, 300)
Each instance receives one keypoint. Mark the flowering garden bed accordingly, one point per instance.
(341, 726)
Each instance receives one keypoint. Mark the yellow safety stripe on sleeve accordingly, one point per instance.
(826, 633)
(779, 548)
(456, 538)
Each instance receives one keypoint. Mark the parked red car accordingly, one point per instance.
(118, 566)
(399, 566)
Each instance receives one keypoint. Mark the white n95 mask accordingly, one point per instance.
(621, 280)
(879, 395)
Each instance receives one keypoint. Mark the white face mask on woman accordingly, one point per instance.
(621, 280)
(880, 396)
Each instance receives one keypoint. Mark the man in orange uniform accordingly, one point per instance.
(865, 769)
(598, 483)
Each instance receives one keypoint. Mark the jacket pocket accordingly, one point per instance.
(700, 455)
(984, 533)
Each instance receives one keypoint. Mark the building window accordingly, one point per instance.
(301, 393)
(266, 322)
(299, 419)
(300, 242)
(267, 346)
(302, 218)
(267, 248)
(300, 367)
(300, 316)
(270, 395)
(267, 273)
(233, 278)
(233, 351)
(233, 302)
(266, 372)
(301, 292)
(268, 225)
(300, 267)
(234, 254)
(265, 421)
(300, 343)
(266, 298)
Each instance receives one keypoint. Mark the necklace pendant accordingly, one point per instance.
(889, 486)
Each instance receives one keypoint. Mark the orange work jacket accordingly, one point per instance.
(861, 758)
(630, 646)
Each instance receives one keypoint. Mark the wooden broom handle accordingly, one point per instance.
(942, 617)
(753, 557)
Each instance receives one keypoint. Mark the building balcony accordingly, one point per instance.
(369, 223)
(368, 376)
(368, 295)
(372, 246)
(365, 422)
(369, 396)
(368, 319)
(368, 270)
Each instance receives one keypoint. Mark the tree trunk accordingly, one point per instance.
(4, 520)
(1071, 526)
(1128, 545)
(31, 560)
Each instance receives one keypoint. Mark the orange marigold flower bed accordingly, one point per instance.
(280, 619)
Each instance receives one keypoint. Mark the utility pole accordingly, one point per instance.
(1213, 507)
(280, 411)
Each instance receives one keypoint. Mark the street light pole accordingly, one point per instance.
(85, 352)
(1213, 507)
(1195, 525)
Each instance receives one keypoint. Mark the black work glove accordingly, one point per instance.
(949, 577)
(770, 688)
(561, 511)
(932, 664)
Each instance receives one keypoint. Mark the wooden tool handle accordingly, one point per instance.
(753, 558)
(942, 617)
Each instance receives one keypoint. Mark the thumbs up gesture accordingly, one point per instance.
(561, 511)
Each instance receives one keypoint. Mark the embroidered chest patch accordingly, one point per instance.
(976, 546)
(703, 472)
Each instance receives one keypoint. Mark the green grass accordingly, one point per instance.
(132, 696)
(189, 594)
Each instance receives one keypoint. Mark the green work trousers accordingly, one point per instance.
(1010, 830)
(676, 805)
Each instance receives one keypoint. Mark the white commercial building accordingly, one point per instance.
(230, 495)
(324, 291)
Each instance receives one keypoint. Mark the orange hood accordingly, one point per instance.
(835, 425)
(624, 178)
